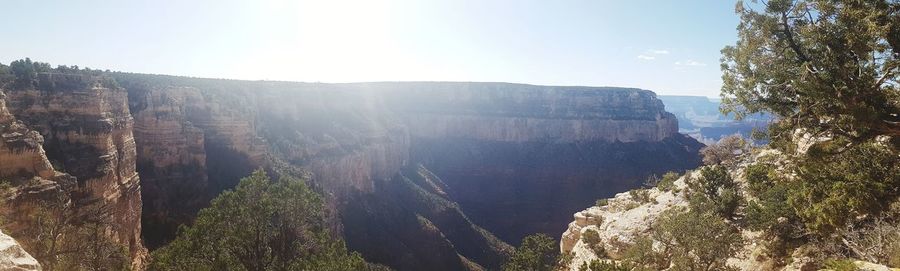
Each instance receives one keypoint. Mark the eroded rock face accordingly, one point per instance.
(527, 113)
(21, 149)
(519, 158)
(87, 131)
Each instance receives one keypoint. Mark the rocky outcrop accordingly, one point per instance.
(21, 149)
(622, 219)
(13, 257)
(87, 131)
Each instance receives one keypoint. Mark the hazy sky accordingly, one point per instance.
(671, 47)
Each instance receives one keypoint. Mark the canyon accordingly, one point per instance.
(417, 175)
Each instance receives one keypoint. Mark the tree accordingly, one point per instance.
(260, 225)
(61, 237)
(538, 252)
(25, 71)
(829, 67)
(834, 189)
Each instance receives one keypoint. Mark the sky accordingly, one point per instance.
(670, 47)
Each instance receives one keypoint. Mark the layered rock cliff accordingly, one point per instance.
(87, 132)
(412, 170)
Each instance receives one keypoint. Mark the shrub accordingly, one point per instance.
(537, 252)
(631, 205)
(772, 214)
(878, 242)
(640, 253)
(592, 239)
(714, 190)
(605, 265)
(640, 195)
(725, 151)
(696, 239)
(667, 182)
(602, 202)
(759, 178)
(841, 265)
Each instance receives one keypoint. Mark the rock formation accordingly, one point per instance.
(537, 153)
(13, 257)
(624, 218)
(87, 131)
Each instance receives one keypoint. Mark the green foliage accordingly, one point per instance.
(714, 190)
(602, 202)
(861, 180)
(25, 72)
(841, 265)
(592, 239)
(770, 212)
(828, 67)
(605, 265)
(631, 205)
(667, 182)
(759, 178)
(538, 252)
(725, 151)
(696, 240)
(641, 254)
(5, 75)
(640, 195)
(260, 225)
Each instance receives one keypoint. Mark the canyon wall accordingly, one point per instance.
(519, 158)
(87, 131)
(506, 112)
(420, 175)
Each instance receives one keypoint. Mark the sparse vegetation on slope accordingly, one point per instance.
(827, 185)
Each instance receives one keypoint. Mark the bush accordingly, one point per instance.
(640, 195)
(760, 177)
(696, 239)
(841, 265)
(602, 202)
(667, 182)
(592, 239)
(538, 252)
(879, 242)
(640, 253)
(714, 190)
(725, 151)
(605, 265)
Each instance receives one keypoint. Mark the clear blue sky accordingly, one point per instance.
(671, 47)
